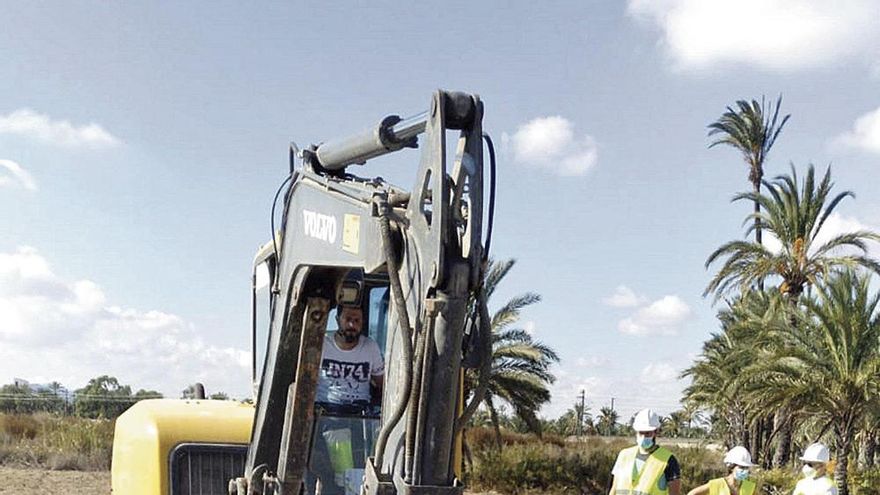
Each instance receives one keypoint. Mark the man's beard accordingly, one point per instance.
(350, 338)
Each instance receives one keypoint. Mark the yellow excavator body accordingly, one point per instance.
(153, 442)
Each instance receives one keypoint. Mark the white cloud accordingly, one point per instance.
(593, 362)
(550, 143)
(661, 317)
(624, 297)
(865, 133)
(65, 330)
(835, 225)
(13, 174)
(26, 122)
(660, 372)
(779, 35)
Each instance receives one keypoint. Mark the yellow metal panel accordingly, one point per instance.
(148, 431)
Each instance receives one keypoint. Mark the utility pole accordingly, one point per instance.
(581, 413)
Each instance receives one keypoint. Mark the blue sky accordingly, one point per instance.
(140, 147)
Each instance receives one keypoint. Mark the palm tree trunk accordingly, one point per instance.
(783, 424)
(867, 450)
(466, 448)
(496, 425)
(757, 438)
(758, 237)
(766, 455)
(843, 444)
(739, 425)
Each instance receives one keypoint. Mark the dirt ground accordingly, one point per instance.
(40, 482)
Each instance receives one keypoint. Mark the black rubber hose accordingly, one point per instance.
(403, 321)
(272, 215)
(491, 220)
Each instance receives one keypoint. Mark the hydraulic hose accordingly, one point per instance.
(485, 328)
(491, 219)
(414, 400)
(403, 321)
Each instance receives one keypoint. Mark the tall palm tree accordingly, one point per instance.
(752, 129)
(832, 360)
(520, 374)
(795, 216)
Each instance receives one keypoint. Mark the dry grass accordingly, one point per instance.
(55, 442)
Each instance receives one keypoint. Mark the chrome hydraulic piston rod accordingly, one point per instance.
(390, 135)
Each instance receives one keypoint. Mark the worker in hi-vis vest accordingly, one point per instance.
(816, 480)
(737, 481)
(646, 468)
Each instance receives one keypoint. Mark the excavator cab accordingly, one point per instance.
(343, 435)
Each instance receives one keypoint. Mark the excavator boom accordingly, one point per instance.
(426, 244)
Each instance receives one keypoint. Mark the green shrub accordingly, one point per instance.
(777, 481)
(698, 465)
(865, 482)
(533, 468)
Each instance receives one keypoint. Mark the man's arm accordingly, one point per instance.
(378, 381)
(675, 487)
(700, 490)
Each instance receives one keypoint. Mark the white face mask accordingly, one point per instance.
(808, 471)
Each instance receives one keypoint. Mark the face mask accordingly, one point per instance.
(808, 471)
(741, 474)
(644, 442)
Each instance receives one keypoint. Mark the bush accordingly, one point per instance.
(55, 442)
(17, 427)
(533, 468)
(527, 464)
(698, 465)
(777, 481)
(865, 482)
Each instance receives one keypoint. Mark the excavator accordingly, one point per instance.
(413, 261)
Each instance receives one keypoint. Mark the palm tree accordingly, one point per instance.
(717, 381)
(752, 129)
(520, 374)
(607, 420)
(832, 360)
(795, 217)
(794, 214)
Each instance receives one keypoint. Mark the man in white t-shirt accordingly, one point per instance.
(350, 363)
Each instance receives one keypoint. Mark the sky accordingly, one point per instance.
(141, 146)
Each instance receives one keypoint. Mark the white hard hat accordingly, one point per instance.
(816, 452)
(739, 456)
(646, 420)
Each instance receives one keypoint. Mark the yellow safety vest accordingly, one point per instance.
(649, 480)
(719, 486)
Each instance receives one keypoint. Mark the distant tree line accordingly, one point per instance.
(103, 397)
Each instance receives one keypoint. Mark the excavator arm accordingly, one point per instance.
(427, 243)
